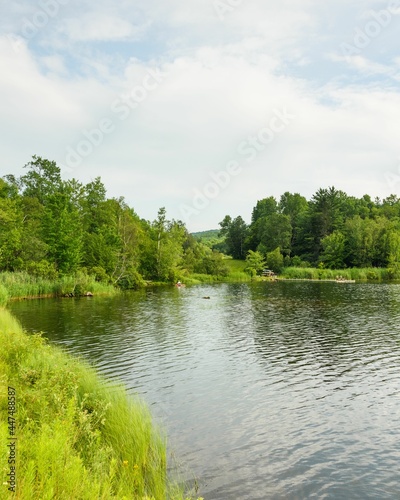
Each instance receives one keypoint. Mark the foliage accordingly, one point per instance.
(274, 231)
(331, 230)
(52, 229)
(255, 263)
(235, 232)
(333, 250)
(211, 239)
(274, 260)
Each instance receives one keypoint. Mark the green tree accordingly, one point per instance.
(255, 262)
(42, 180)
(391, 207)
(34, 250)
(359, 239)
(235, 232)
(213, 263)
(128, 232)
(62, 230)
(325, 215)
(163, 254)
(275, 260)
(333, 254)
(11, 222)
(295, 207)
(275, 231)
(264, 208)
(394, 253)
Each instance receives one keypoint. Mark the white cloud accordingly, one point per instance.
(222, 82)
(102, 27)
(364, 65)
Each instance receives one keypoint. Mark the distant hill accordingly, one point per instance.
(212, 239)
(206, 235)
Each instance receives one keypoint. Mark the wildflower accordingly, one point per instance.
(125, 463)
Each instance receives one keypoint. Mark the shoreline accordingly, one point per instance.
(75, 433)
(316, 280)
(22, 286)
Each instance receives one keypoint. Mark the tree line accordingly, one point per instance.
(331, 230)
(51, 227)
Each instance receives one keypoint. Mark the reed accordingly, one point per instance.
(23, 285)
(358, 274)
(3, 295)
(237, 276)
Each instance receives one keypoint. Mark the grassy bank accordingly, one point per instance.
(237, 270)
(21, 285)
(359, 274)
(237, 274)
(78, 437)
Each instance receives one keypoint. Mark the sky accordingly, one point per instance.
(204, 106)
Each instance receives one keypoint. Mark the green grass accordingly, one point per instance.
(237, 273)
(22, 284)
(3, 295)
(79, 437)
(232, 277)
(236, 270)
(197, 278)
(235, 265)
(359, 274)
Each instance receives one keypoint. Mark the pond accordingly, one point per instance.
(273, 390)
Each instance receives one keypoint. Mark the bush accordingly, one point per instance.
(100, 274)
(43, 269)
(274, 260)
(131, 280)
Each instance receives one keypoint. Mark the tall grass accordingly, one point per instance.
(232, 277)
(235, 265)
(3, 295)
(79, 437)
(237, 271)
(237, 276)
(359, 274)
(21, 284)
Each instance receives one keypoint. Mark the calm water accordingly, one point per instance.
(267, 391)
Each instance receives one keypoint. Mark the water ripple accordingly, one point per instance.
(278, 391)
